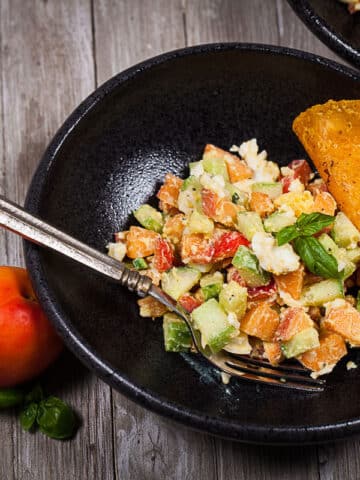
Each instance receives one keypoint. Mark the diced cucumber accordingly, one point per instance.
(149, 218)
(179, 280)
(116, 250)
(212, 322)
(199, 223)
(301, 342)
(353, 255)
(211, 291)
(322, 292)
(248, 265)
(233, 298)
(140, 264)
(214, 164)
(278, 220)
(203, 268)
(237, 196)
(196, 168)
(249, 223)
(211, 285)
(273, 189)
(189, 198)
(212, 278)
(344, 232)
(177, 336)
(347, 267)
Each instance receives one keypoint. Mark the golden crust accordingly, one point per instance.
(330, 133)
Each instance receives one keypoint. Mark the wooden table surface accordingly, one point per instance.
(53, 53)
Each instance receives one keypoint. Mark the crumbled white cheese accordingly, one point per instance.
(232, 319)
(323, 371)
(215, 183)
(274, 259)
(289, 214)
(198, 170)
(296, 186)
(116, 250)
(351, 365)
(244, 185)
(264, 170)
(287, 172)
(239, 344)
(225, 378)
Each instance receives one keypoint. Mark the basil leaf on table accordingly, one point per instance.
(55, 418)
(28, 416)
(306, 225)
(316, 258)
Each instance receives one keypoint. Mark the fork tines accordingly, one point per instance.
(253, 369)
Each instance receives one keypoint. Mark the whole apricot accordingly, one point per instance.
(28, 342)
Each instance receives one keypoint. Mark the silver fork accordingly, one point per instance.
(16, 219)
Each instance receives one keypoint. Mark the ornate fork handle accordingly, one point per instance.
(16, 219)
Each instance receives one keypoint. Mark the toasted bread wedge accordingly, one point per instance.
(330, 134)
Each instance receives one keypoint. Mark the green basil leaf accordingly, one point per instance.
(56, 419)
(286, 235)
(306, 225)
(28, 416)
(316, 258)
(311, 223)
(10, 397)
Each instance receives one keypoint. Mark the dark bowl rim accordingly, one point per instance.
(324, 32)
(249, 433)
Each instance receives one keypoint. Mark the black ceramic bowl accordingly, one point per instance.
(331, 21)
(109, 157)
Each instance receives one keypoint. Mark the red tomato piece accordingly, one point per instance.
(189, 302)
(264, 292)
(209, 200)
(226, 245)
(163, 255)
(302, 170)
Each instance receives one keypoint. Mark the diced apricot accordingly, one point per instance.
(332, 348)
(168, 209)
(196, 248)
(292, 321)
(273, 352)
(344, 320)
(174, 227)
(261, 321)
(291, 283)
(324, 203)
(209, 200)
(140, 242)
(169, 191)
(261, 203)
(150, 307)
(226, 212)
(237, 169)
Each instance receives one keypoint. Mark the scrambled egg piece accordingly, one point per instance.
(299, 202)
(272, 258)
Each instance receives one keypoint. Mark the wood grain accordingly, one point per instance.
(47, 69)
(52, 54)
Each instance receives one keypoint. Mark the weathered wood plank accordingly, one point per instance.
(146, 446)
(210, 21)
(47, 68)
